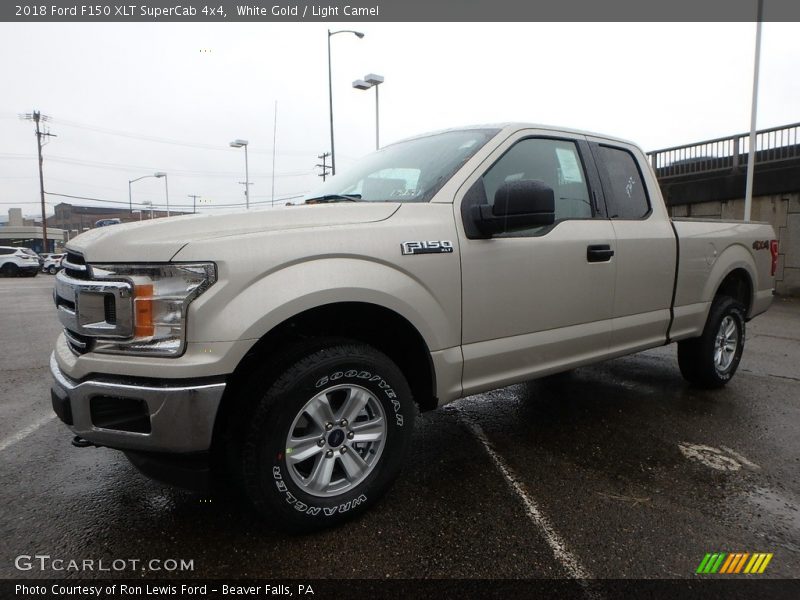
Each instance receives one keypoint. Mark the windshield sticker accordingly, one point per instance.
(629, 186)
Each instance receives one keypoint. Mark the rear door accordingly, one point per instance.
(646, 247)
(539, 299)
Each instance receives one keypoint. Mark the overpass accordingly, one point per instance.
(707, 180)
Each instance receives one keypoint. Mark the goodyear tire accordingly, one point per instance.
(711, 360)
(327, 438)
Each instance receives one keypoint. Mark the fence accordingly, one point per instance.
(727, 154)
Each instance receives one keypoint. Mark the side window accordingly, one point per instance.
(626, 197)
(7, 250)
(554, 162)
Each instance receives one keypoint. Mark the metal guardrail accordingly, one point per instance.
(728, 153)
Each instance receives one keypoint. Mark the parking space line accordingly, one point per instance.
(23, 433)
(567, 560)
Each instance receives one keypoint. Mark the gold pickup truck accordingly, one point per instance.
(291, 348)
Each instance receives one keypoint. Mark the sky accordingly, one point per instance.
(129, 99)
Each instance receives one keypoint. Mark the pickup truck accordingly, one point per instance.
(290, 349)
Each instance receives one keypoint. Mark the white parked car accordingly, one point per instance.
(52, 263)
(18, 261)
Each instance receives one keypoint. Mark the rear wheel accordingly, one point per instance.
(10, 270)
(711, 360)
(326, 439)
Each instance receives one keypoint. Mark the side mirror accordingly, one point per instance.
(517, 205)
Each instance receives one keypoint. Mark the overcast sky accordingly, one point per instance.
(129, 99)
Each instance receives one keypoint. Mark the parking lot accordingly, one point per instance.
(619, 470)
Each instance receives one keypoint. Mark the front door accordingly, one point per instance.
(540, 299)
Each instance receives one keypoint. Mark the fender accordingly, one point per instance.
(280, 294)
(735, 256)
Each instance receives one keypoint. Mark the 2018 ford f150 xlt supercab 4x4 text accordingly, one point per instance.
(293, 347)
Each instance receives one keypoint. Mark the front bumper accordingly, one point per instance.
(181, 413)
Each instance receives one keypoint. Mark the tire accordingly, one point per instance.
(703, 361)
(52, 270)
(332, 475)
(10, 270)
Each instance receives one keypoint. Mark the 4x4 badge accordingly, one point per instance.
(428, 247)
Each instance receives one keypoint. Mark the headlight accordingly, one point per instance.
(161, 297)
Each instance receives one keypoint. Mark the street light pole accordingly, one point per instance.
(377, 121)
(369, 81)
(359, 35)
(157, 175)
(166, 186)
(751, 155)
(243, 144)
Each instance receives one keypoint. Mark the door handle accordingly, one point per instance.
(599, 253)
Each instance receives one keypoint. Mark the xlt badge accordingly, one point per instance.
(428, 247)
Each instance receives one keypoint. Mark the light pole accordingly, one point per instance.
(157, 175)
(369, 81)
(243, 144)
(751, 155)
(166, 186)
(359, 35)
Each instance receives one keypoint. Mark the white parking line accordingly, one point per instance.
(567, 560)
(23, 433)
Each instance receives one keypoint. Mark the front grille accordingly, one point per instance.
(75, 266)
(79, 344)
(110, 307)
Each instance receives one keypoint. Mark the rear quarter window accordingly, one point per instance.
(626, 195)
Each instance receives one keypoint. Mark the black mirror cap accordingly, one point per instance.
(517, 205)
(523, 197)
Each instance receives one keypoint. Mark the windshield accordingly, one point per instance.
(411, 171)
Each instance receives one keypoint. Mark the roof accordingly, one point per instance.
(510, 126)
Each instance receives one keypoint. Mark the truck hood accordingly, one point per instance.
(160, 239)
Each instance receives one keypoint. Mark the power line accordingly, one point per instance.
(156, 139)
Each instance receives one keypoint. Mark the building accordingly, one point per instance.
(25, 233)
(77, 219)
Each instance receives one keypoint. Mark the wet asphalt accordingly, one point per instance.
(617, 459)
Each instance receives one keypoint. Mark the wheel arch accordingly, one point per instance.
(372, 324)
(732, 274)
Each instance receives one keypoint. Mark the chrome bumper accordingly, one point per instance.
(181, 416)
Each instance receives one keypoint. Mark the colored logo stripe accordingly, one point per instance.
(734, 563)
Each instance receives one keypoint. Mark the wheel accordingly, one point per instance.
(52, 270)
(710, 360)
(10, 270)
(326, 438)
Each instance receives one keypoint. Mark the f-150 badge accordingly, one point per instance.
(428, 247)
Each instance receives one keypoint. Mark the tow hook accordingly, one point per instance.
(79, 442)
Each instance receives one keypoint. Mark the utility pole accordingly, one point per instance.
(194, 198)
(37, 117)
(324, 165)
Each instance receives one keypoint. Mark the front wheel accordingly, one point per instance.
(52, 270)
(327, 438)
(711, 360)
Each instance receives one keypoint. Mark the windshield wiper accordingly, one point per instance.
(334, 198)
